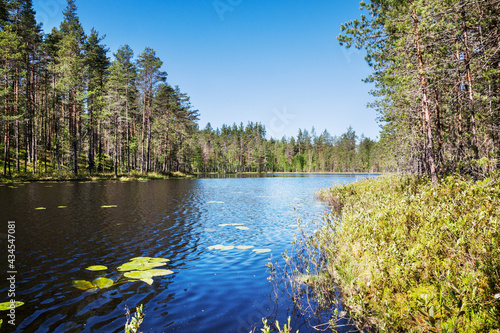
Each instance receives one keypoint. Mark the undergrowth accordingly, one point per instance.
(409, 256)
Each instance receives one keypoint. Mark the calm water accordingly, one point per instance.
(210, 290)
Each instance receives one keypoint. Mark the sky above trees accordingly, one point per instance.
(241, 60)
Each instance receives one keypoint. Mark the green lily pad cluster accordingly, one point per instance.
(143, 268)
(137, 269)
(100, 282)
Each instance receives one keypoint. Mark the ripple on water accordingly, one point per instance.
(211, 290)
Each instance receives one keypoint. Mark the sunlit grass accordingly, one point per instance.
(409, 256)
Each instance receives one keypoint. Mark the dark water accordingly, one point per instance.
(210, 290)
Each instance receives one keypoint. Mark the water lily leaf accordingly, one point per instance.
(12, 187)
(261, 250)
(159, 272)
(220, 247)
(229, 224)
(141, 259)
(243, 228)
(102, 282)
(96, 268)
(82, 284)
(150, 260)
(109, 206)
(40, 208)
(61, 207)
(159, 260)
(139, 275)
(244, 247)
(139, 265)
(148, 281)
(8, 305)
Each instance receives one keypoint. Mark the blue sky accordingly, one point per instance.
(275, 62)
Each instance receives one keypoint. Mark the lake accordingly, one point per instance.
(210, 290)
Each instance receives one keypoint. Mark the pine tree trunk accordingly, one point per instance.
(425, 104)
(469, 82)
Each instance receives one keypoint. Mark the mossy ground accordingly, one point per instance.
(412, 257)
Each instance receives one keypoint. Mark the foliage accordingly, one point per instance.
(276, 328)
(437, 81)
(133, 323)
(410, 256)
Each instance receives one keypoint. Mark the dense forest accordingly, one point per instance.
(436, 69)
(66, 107)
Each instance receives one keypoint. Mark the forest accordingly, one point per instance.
(436, 71)
(68, 108)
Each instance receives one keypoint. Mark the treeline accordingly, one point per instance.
(246, 149)
(65, 105)
(436, 69)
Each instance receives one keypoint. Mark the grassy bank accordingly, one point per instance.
(411, 257)
(69, 176)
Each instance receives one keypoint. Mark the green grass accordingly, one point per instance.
(413, 257)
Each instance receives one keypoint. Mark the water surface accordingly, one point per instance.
(210, 290)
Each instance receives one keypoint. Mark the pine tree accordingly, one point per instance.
(150, 75)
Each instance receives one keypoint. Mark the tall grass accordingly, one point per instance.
(413, 257)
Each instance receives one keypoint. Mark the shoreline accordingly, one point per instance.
(96, 177)
(151, 176)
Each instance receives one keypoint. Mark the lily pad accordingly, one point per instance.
(159, 272)
(139, 275)
(244, 247)
(102, 282)
(220, 247)
(109, 206)
(82, 284)
(148, 281)
(6, 306)
(261, 250)
(40, 208)
(141, 259)
(138, 265)
(61, 207)
(229, 224)
(96, 268)
(243, 228)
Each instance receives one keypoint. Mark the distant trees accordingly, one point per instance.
(246, 149)
(436, 70)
